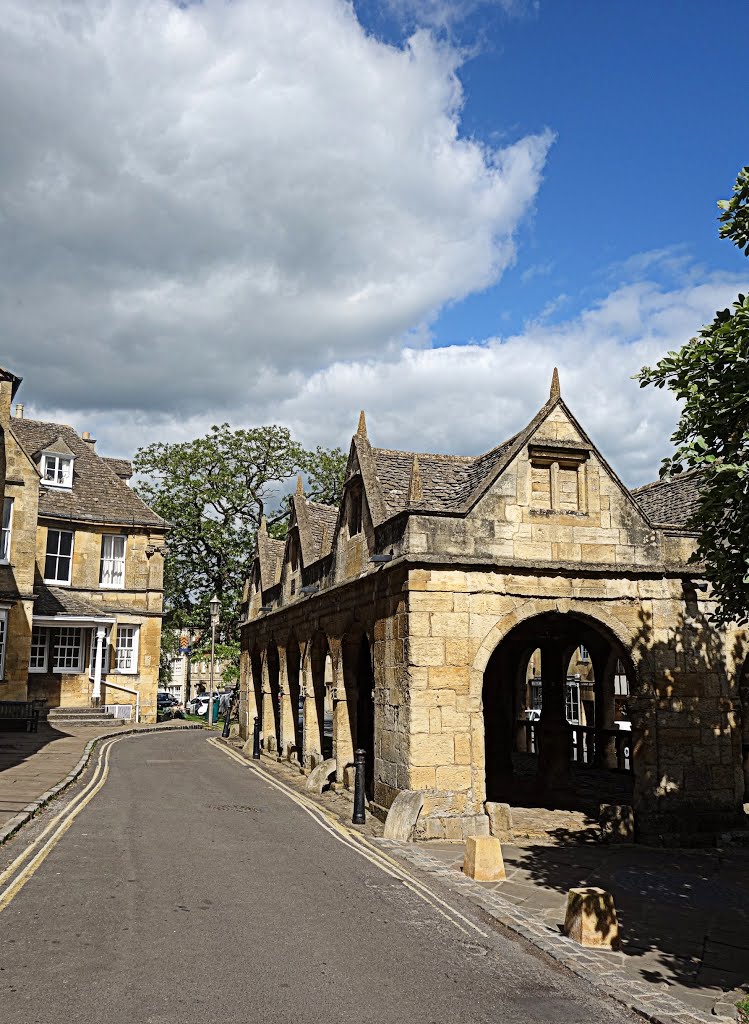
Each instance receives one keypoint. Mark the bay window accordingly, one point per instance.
(126, 654)
(67, 649)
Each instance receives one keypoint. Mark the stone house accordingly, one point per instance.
(81, 571)
(416, 606)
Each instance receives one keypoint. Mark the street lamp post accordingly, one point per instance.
(215, 605)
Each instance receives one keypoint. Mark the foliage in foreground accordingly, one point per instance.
(710, 376)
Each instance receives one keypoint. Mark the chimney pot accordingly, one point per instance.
(19, 410)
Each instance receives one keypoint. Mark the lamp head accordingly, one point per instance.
(215, 606)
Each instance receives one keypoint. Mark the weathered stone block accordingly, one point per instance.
(500, 819)
(483, 859)
(427, 651)
(428, 751)
(454, 777)
(591, 918)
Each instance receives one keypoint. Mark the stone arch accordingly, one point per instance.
(358, 681)
(597, 614)
(548, 772)
(291, 725)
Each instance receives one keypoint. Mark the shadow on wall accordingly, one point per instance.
(687, 730)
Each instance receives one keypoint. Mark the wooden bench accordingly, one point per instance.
(20, 711)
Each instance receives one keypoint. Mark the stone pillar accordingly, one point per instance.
(343, 734)
(554, 773)
(285, 711)
(604, 667)
(311, 752)
(101, 634)
(267, 718)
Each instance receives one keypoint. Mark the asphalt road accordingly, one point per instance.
(190, 890)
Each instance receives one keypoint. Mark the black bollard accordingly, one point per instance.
(225, 730)
(359, 769)
(256, 739)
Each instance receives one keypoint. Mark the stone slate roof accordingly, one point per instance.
(447, 480)
(670, 502)
(60, 601)
(98, 494)
(123, 468)
(321, 517)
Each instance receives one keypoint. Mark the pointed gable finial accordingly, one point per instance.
(299, 487)
(361, 430)
(555, 391)
(415, 489)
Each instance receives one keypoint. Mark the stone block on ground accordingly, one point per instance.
(320, 776)
(403, 815)
(500, 819)
(483, 859)
(591, 918)
(617, 823)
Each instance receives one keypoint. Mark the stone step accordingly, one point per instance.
(86, 722)
(78, 713)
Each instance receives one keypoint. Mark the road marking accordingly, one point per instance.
(359, 844)
(65, 820)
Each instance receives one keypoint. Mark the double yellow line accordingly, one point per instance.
(359, 844)
(15, 874)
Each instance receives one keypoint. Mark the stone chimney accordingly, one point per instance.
(19, 410)
(90, 441)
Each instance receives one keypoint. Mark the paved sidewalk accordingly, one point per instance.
(684, 914)
(32, 764)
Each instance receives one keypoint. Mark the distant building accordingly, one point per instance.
(81, 571)
(190, 674)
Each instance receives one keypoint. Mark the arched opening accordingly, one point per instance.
(272, 741)
(556, 726)
(359, 683)
(293, 725)
(320, 721)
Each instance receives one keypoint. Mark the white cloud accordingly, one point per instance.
(198, 198)
(444, 14)
(466, 399)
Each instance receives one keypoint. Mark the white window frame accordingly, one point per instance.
(3, 639)
(63, 467)
(45, 631)
(109, 561)
(133, 650)
(66, 633)
(105, 652)
(57, 555)
(6, 531)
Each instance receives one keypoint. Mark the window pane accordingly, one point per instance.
(3, 628)
(5, 534)
(38, 659)
(67, 648)
(50, 568)
(127, 648)
(66, 542)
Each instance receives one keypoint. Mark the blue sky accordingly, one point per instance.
(649, 113)
(284, 211)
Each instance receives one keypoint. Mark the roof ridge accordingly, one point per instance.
(666, 481)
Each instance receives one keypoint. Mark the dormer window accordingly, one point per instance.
(57, 470)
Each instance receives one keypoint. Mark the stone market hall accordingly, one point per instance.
(434, 620)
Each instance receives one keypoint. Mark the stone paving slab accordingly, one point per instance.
(35, 767)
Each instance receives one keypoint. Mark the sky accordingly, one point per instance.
(285, 211)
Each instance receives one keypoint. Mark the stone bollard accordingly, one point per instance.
(483, 859)
(591, 918)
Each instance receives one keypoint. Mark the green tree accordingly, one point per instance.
(710, 376)
(214, 491)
